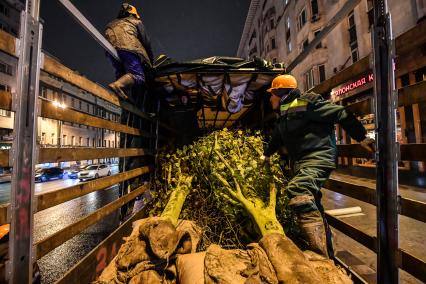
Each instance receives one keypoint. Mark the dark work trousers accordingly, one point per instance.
(131, 63)
(307, 182)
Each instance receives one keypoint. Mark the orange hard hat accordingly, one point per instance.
(283, 82)
(126, 8)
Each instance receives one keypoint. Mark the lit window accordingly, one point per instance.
(309, 79)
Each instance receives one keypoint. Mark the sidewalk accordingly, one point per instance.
(361, 259)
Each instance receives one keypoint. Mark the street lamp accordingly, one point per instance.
(60, 105)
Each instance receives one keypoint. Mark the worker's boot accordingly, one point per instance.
(124, 83)
(313, 231)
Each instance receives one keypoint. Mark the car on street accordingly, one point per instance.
(73, 173)
(94, 171)
(47, 174)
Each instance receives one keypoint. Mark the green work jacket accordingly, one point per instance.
(306, 129)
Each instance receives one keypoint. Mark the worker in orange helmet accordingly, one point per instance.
(128, 36)
(305, 128)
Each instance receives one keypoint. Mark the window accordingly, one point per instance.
(80, 141)
(64, 140)
(405, 80)
(72, 102)
(420, 74)
(4, 10)
(289, 46)
(271, 22)
(302, 19)
(43, 92)
(5, 113)
(288, 35)
(5, 88)
(72, 140)
(370, 13)
(87, 141)
(309, 79)
(321, 73)
(316, 33)
(88, 108)
(5, 68)
(314, 9)
(273, 44)
(43, 138)
(93, 142)
(80, 105)
(305, 44)
(52, 138)
(104, 144)
(353, 39)
(355, 55)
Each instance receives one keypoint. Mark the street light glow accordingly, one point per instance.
(60, 105)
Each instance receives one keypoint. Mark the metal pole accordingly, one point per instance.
(157, 137)
(24, 150)
(85, 23)
(387, 167)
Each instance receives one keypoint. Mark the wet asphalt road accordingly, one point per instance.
(57, 262)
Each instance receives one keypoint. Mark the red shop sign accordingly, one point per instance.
(352, 86)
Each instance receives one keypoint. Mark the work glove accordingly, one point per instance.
(368, 144)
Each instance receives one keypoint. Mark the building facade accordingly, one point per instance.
(279, 30)
(52, 133)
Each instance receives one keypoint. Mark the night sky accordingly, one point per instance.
(181, 29)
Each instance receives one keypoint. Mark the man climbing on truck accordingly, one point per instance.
(128, 36)
(305, 128)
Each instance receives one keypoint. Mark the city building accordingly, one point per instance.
(10, 11)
